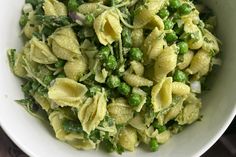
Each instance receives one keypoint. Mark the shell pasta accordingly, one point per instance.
(113, 74)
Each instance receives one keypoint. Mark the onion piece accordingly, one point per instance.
(77, 17)
(27, 8)
(195, 87)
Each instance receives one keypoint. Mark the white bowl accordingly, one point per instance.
(36, 139)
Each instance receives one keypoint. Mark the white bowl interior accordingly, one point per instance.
(36, 139)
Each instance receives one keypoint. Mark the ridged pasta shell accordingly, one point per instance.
(54, 8)
(161, 95)
(76, 69)
(92, 112)
(180, 89)
(64, 44)
(165, 62)
(67, 92)
(200, 63)
(128, 138)
(107, 27)
(120, 111)
(136, 81)
(40, 52)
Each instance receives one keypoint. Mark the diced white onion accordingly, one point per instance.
(27, 8)
(195, 87)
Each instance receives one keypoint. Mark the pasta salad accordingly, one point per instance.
(115, 73)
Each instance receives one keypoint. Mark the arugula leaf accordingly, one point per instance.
(11, 54)
(53, 21)
(71, 126)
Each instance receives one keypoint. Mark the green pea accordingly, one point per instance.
(124, 89)
(23, 20)
(168, 24)
(104, 52)
(134, 99)
(73, 5)
(154, 144)
(183, 47)
(180, 76)
(136, 54)
(48, 79)
(171, 37)
(89, 19)
(160, 128)
(60, 63)
(113, 81)
(175, 4)
(185, 9)
(163, 13)
(111, 63)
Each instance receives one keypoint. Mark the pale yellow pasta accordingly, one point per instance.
(29, 29)
(180, 89)
(67, 92)
(174, 111)
(190, 112)
(64, 44)
(161, 94)
(76, 69)
(107, 27)
(54, 8)
(155, 5)
(193, 17)
(78, 141)
(137, 67)
(153, 45)
(44, 102)
(56, 119)
(200, 63)
(90, 8)
(187, 58)
(197, 38)
(146, 14)
(138, 122)
(40, 52)
(163, 137)
(143, 17)
(210, 43)
(100, 76)
(128, 138)
(155, 22)
(89, 50)
(137, 37)
(165, 62)
(18, 67)
(92, 112)
(136, 81)
(147, 134)
(120, 111)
